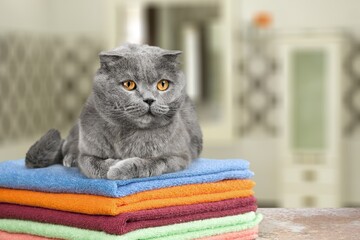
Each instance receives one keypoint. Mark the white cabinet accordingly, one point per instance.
(310, 78)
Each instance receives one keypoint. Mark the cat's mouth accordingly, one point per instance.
(148, 113)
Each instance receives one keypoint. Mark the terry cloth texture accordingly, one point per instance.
(57, 178)
(19, 236)
(189, 230)
(99, 205)
(131, 221)
(247, 234)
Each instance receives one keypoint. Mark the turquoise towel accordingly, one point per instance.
(181, 231)
(56, 178)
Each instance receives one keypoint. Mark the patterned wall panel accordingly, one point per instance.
(352, 89)
(44, 80)
(258, 96)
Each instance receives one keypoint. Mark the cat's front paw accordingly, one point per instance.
(70, 160)
(126, 169)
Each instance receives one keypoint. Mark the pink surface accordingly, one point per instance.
(17, 236)
(247, 234)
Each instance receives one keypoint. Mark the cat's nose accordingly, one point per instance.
(149, 101)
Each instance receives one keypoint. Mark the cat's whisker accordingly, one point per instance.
(116, 106)
(130, 108)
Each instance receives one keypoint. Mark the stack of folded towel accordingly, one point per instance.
(212, 199)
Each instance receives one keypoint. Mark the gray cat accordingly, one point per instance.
(137, 122)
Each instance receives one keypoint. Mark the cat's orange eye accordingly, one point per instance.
(163, 84)
(129, 85)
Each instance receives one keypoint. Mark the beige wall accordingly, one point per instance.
(307, 13)
(54, 16)
(23, 15)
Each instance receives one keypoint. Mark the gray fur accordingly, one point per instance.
(118, 135)
(47, 149)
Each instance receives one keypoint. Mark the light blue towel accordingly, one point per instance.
(56, 178)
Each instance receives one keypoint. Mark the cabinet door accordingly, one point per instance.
(308, 99)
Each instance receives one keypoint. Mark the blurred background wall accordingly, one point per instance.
(276, 82)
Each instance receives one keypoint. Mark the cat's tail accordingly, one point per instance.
(46, 151)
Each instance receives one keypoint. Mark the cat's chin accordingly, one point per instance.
(145, 121)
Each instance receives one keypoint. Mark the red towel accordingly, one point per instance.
(130, 221)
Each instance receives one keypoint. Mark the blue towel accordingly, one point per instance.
(56, 178)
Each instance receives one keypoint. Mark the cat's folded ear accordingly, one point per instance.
(171, 55)
(110, 58)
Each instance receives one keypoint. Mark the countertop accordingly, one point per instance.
(310, 223)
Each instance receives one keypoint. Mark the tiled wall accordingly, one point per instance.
(44, 81)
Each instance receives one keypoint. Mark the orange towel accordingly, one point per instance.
(165, 197)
